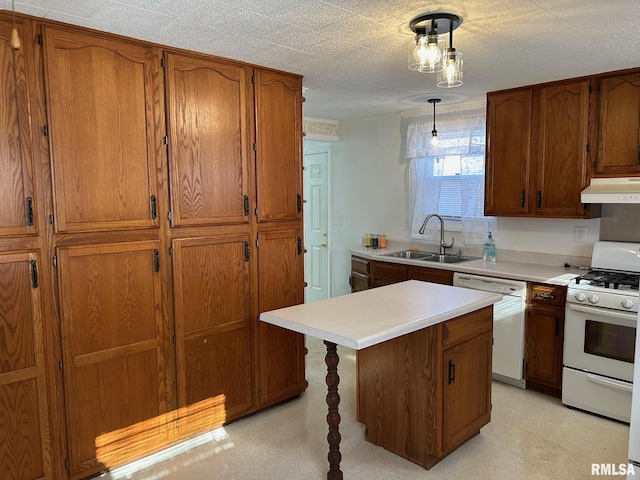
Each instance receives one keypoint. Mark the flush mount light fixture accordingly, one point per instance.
(434, 132)
(429, 54)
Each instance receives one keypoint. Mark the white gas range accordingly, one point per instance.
(600, 331)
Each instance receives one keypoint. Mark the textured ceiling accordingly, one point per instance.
(353, 53)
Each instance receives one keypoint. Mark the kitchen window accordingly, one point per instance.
(448, 178)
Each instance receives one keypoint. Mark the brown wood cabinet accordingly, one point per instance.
(386, 273)
(103, 149)
(537, 150)
(208, 118)
(367, 274)
(281, 351)
(278, 147)
(561, 155)
(359, 278)
(508, 150)
(433, 275)
(619, 126)
(113, 352)
(544, 337)
(25, 445)
(165, 188)
(17, 183)
(212, 292)
(422, 395)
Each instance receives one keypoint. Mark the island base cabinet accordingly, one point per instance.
(424, 394)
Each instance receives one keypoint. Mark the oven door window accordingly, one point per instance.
(610, 341)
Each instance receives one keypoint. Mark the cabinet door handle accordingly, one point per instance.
(452, 371)
(539, 198)
(638, 154)
(522, 198)
(556, 329)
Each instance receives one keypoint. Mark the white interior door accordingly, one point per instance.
(316, 223)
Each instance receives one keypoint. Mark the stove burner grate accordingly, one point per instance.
(610, 279)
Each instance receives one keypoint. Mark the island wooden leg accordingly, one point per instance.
(333, 417)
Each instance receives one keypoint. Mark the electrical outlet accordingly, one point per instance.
(338, 220)
(580, 234)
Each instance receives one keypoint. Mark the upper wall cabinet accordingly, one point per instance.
(103, 108)
(619, 128)
(17, 191)
(508, 153)
(208, 108)
(278, 110)
(537, 151)
(562, 149)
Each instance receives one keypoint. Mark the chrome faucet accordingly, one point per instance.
(443, 244)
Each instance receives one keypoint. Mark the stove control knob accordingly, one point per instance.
(581, 297)
(593, 298)
(627, 303)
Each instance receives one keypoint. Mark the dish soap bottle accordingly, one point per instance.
(490, 249)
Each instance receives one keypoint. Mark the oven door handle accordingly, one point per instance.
(600, 311)
(610, 383)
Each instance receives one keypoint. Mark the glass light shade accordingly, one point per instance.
(427, 54)
(451, 75)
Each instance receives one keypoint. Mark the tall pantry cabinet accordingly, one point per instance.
(151, 209)
(104, 128)
(25, 373)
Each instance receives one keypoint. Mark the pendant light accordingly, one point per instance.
(15, 38)
(451, 75)
(428, 53)
(434, 132)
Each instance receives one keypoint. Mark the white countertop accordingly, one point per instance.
(532, 272)
(359, 320)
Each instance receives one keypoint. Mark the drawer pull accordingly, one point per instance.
(545, 296)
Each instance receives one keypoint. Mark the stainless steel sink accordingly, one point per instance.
(448, 258)
(430, 256)
(410, 255)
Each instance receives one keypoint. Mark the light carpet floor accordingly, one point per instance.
(530, 436)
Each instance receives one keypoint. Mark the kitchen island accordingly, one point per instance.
(423, 364)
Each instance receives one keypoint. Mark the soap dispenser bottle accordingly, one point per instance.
(490, 249)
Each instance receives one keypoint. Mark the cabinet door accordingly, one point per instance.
(213, 329)
(17, 191)
(619, 147)
(102, 108)
(24, 442)
(280, 284)
(113, 353)
(433, 275)
(467, 389)
(385, 273)
(208, 138)
(359, 282)
(508, 153)
(544, 336)
(562, 149)
(278, 107)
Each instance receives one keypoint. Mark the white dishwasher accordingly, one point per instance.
(508, 324)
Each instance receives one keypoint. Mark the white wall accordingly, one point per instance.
(368, 195)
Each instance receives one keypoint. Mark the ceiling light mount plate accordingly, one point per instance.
(422, 23)
(434, 101)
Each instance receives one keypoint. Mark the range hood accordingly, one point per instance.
(612, 190)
